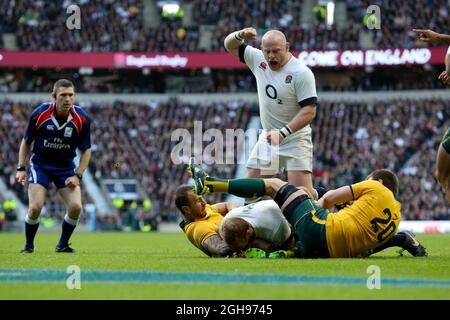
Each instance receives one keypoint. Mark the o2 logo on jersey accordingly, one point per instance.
(271, 92)
(288, 79)
(263, 66)
(68, 132)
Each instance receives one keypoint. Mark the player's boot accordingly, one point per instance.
(27, 249)
(65, 249)
(280, 254)
(412, 245)
(255, 253)
(199, 176)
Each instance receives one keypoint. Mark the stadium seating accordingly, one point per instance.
(119, 25)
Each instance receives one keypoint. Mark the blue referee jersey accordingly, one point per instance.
(55, 144)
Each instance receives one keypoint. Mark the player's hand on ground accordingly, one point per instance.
(274, 137)
(248, 33)
(21, 177)
(445, 78)
(72, 182)
(427, 35)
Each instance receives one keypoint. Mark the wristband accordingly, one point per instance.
(238, 36)
(79, 175)
(285, 131)
(20, 168)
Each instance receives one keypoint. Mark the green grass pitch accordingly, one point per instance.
(166, 266)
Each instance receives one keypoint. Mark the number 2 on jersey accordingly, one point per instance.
(379, 225)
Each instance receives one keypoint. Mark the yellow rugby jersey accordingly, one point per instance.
(201, 229)
(373, 218)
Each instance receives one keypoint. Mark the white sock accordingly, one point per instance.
(31, 221)
(69, 220)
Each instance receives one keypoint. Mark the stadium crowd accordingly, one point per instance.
(350, 140)
(119, 25)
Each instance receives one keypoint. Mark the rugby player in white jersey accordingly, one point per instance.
(287, 102)
(257, 225)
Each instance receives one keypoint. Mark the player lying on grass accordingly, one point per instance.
(358, 229)
(257, 225)
(201, 221)
(269, 231)
(245, 228)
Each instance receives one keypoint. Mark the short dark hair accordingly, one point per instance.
(61, 83)
(389, 178)
(182, 196)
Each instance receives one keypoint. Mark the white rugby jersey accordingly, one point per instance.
(280, 92)
(267, 220)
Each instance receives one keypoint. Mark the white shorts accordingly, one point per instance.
(294, 155)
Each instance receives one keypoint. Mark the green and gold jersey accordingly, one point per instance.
(200, 230)
(372, 219)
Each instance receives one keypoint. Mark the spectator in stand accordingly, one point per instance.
(119, 25)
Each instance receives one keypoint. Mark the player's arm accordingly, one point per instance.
(342, 194)
(304, 117)
(84, 161)
(305, 91)
(85, 146)
(428, 35)
(24, 151)
(445, 75)
(234, 40)
(225, 207)
(216, 246)
(74, 181)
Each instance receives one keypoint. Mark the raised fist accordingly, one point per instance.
(248, 33)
